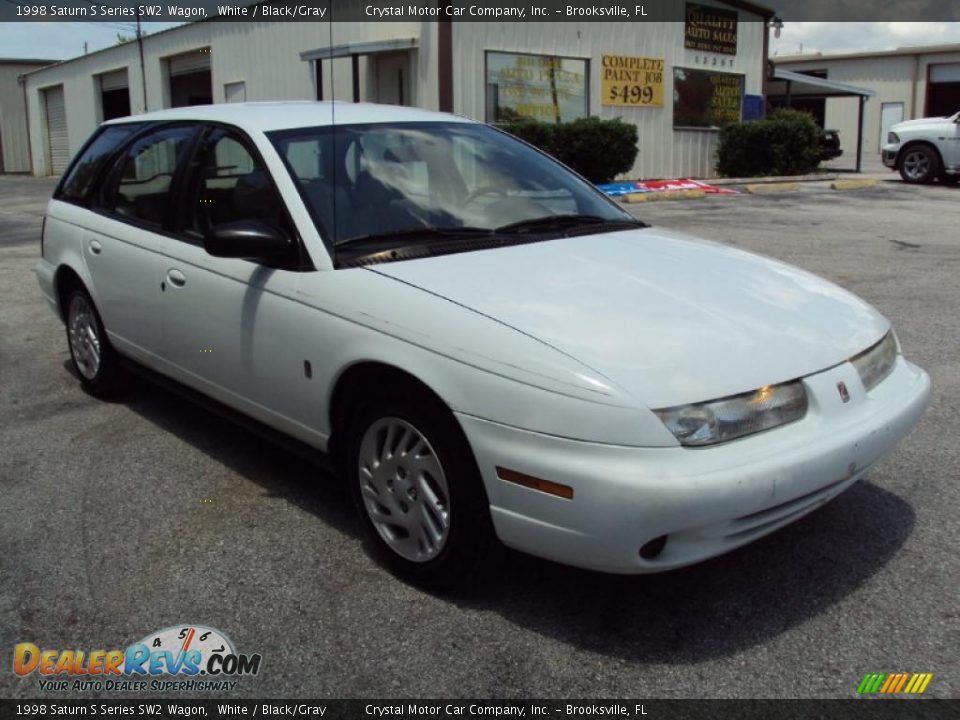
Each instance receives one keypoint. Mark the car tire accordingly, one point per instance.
(418, 491)
(949, 179)
(919, 164)
(94, 359)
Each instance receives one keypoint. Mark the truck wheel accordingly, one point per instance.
(920, 164)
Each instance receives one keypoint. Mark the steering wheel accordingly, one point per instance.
(483, 190)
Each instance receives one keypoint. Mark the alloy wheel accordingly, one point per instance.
(404, 489)
(84, 337)
(916, 165)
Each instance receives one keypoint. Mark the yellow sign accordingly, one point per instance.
(631, 81)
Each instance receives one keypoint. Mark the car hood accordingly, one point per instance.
(920, 122)
(668, 318)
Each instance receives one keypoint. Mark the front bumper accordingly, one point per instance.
(889, 156)
(707, 501)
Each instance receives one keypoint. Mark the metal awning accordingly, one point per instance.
(794, 86)
(374, 47)
(354, 51)
(798, 85)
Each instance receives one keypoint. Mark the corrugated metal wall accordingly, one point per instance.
(664, 152)
(13, 118)
(263, 55)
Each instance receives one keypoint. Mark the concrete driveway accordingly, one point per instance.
(122, 518)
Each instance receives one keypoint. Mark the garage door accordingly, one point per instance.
(943, 90)
(189, 63)
(58, 147)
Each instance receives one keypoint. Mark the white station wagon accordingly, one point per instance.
(486, 345)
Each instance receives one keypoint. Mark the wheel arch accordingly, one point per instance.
(65, 280)
(915, 143)
(357, 383)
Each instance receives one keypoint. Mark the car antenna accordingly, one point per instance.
(333, 130)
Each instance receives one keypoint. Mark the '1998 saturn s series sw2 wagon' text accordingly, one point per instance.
(487, 345)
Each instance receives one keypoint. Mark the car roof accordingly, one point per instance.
(266, 116)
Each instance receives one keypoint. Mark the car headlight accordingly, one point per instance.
(892, 137)
(720, 420)
(876, 362)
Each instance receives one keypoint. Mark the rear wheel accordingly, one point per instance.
(417, 488)
(93, 357)
(919, 164)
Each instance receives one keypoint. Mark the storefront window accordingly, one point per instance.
(704, 99)
(535, 87)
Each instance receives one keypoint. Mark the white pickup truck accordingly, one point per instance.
(926, 149)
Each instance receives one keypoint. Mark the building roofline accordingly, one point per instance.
(146, 38)
(898, 52)
(26, 61)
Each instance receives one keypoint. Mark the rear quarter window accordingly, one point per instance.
(76, 184)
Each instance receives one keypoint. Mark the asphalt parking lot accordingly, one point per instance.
(122, 518)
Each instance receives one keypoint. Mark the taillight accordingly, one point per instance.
(43, 229)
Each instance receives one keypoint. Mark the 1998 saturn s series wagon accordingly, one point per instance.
(487, 345)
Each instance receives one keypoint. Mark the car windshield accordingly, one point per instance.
(434, 182)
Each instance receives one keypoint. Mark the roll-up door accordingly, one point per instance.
(116, 80)
(943, 89)
(58, 145)
(189, 63)
(114, 95)
(947, 72)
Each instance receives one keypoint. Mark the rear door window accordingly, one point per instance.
(142, 180)
(79, 178)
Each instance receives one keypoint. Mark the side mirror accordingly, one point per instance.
(250, 240)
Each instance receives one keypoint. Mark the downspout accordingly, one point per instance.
(913, 87)
(22, 79)
(767, 69)
(445, 61)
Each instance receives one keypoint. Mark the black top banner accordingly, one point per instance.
(465, 10)
(163, 709)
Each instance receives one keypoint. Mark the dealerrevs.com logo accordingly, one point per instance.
(188, 658)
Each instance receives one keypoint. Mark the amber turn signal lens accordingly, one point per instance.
(551, 488)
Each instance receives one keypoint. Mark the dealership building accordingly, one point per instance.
(676, 81)
(907, 83)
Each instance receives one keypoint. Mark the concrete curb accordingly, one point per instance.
(667, 195)
(853, 184)
(768, 188)
(814, 177)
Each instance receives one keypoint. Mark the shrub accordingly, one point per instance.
(597, 149)
(786, 142)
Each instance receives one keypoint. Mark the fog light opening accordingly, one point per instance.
(652, 550)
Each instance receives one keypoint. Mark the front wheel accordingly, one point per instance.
(93, 357)
(418, 490)
(919, 164)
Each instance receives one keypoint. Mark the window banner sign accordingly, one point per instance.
(704, 99)
(523, 86)
(710, 29)
(627, 81)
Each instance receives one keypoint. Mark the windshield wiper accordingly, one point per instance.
(401, 237)
(567, 222)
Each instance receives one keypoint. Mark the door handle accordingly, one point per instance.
(176, 278)
(95, 247)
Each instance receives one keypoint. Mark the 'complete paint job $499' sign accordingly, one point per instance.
(631, 81)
